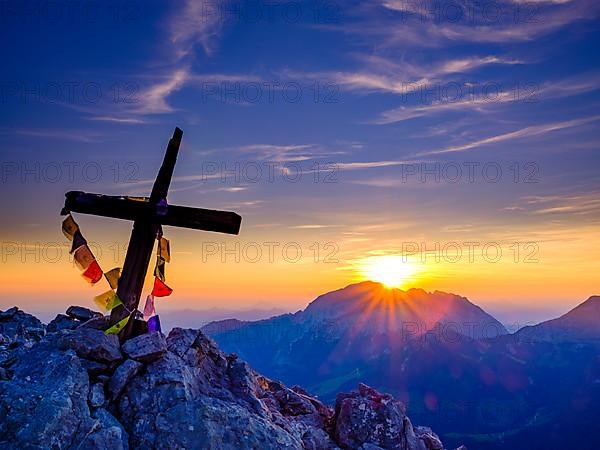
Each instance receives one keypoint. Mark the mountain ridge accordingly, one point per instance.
(436, 366)
(580, 323)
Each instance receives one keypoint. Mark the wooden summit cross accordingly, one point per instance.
(148, 216)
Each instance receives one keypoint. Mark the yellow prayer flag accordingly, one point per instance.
(112, 276)
(83, 257)
(159, 270)
(118, 326)
(69, 227)
(107, 301)
(164, 249)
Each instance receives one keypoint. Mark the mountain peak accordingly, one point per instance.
(377, 309)
(582, 323)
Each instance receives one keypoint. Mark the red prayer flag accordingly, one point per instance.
(93, 273)
(161, 289)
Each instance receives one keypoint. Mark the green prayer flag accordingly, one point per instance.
(108, 300)
(117, 326)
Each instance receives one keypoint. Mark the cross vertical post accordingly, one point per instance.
(143, 237)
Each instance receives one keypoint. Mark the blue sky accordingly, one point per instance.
(384, 87)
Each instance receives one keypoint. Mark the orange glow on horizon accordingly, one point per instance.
(390, 270)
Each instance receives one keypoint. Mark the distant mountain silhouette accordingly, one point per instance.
(199, 317)
(582, 323)
(455, 366)
(379, 310)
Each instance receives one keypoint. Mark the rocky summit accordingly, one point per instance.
(70, 386)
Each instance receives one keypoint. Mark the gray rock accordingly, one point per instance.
(45, 403)
(189, 395)
(91, 344)
(121, 377)
(193, 396)
(108, 433)
(9, 313)
(19, 331)
(96, 397)
(19, 327)
(62, 322)
(83, 314)
(369, 418)
(146, 347)
(98, 323)
(429, 438)
(94, 368)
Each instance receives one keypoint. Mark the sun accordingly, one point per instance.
(391, 271)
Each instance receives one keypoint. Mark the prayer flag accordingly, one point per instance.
(83, 257)
(164, 249)
(160, 289)
(159, 270)
(117, 326)
(112, 276)
(107, 301)
(149, 307)
(153, 324)
(69, 227)
(78, 240)
(93, 273)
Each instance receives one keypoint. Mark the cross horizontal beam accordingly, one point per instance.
(128, 208)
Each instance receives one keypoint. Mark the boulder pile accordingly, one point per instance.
(71, 386)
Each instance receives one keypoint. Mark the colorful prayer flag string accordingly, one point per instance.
(92, 272)
(86, 262)
(159, 289)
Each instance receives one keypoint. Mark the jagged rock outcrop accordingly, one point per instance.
(368, 417)
(78, 388)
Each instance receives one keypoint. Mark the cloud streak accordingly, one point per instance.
(197, 23)
(527, 132)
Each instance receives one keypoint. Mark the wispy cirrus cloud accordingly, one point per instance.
(87, 136)
(532, 93)
(196, 23)
(526, 132)
(279, 153)
(577, 204)
(193, 24)
(153, 100)
(382, 75)
(313, 226)
(417, 24)
(128, 120)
